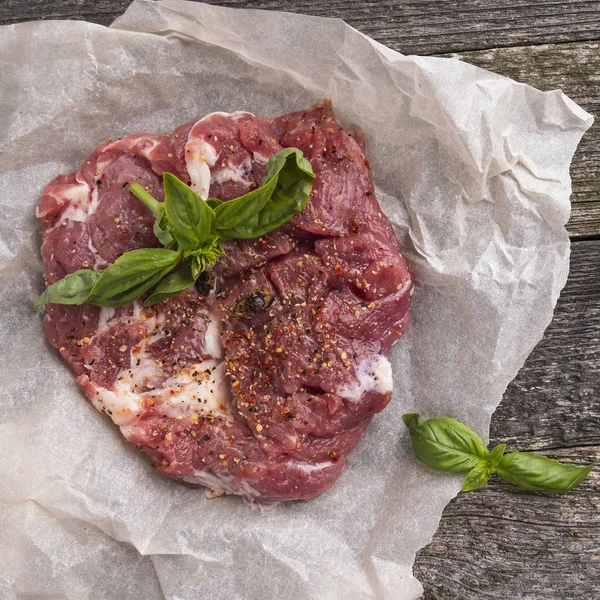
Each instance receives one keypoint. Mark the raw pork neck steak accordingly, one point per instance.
(260, 381)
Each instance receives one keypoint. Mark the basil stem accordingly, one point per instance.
(156, 208)
(161, 225)
(445, 444)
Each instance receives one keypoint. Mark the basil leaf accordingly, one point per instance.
(132, 274)
(477, 477)
(214, 202)
(284, 192)
(71, 289)
(161, 231)
(161, 225)
(171, 285)
(233, 215)
(540, 474)
(198, 266)
(190, 217)
(445, 444)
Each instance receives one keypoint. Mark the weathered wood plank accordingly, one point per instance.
(574, 68)
(412, 27)
(501, 542)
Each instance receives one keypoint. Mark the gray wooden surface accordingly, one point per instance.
(500, 542)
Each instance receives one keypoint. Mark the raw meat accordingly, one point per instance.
(262, 385)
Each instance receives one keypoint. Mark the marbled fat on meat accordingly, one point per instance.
(262, 398)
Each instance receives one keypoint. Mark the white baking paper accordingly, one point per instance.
(471, 167)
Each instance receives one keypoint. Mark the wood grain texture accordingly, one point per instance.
(574, 68)
(500, 542)
(411, 26)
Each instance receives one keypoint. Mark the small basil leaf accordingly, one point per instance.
(190, 217)
(201, 262)
(161, 231)
(214, 202)
(540, 474)
(495, 456)
(132, 274)
(71, 289)
(477, 477)
(171, 285)
(198, 266)
(205, 256)
(284, 192)
(445, 444)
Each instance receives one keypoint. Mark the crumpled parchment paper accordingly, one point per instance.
(471, 167)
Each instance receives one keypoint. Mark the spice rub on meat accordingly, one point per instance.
(261, 379)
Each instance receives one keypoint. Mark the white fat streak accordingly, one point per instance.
(311, 467)
(82, 205)
(123, 407)
(76, 193)
(199, 157)
(228, 174)
(189, 396)
(212, 337)
(93, 206)
(196, 390)
(74, 213)
(221, 484)
(137, 314)
(234, 115)
(373, 374)
(106, 314)
(102, 162)
(99, 262)
(261, 158)
(78, 197)
(181, 396)
(148, 149)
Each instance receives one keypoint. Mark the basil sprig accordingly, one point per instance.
(190, 229)
(445, 444)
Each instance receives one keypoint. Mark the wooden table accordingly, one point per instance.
(500, 542)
